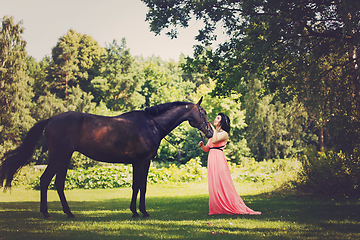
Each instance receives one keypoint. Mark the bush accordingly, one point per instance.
(79, 160)
(27, 175)
(115, 176)
(94, 177)
(331, 172)
(191, 171)
(264, 171)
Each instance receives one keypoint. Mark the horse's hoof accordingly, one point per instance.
(46, 216)
(146, 215)
(71, 215)
(135, 215)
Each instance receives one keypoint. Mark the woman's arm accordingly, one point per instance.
(203, 147)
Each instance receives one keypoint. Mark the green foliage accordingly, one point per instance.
(278, 170)
(76, 60)
(6, 146)
(27, 175)
(15, 85)
(94, 177)
(115, 176)
(331, 172)
(275, 130)
(190, 172)
(48, 106)
(79, 100)
(164, 82)
(118, 84)
(79, 160)
(82, 76)
(303, 50)
(37, 72)
(64, 67)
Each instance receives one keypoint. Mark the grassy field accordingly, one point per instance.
(178, 211)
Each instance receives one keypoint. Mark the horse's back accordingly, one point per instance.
(124, 138)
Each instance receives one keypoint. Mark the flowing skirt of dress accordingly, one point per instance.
(223, 198)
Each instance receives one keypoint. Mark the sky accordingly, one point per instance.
(45, 21)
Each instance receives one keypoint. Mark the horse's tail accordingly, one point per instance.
(17, 158)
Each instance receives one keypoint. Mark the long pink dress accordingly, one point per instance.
(223, 198)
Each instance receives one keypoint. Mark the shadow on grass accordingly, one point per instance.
(284, 217)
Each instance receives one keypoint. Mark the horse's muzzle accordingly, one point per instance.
(209, 132)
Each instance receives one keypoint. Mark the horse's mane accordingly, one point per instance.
(161, 108)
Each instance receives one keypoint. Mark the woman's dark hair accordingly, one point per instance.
(225, 122)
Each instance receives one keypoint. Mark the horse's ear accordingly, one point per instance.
(199, 101)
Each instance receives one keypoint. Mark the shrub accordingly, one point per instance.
(267, 170)
(331, 172)
(115, 176)
(119, 175)
(27, 175)
(79, 160)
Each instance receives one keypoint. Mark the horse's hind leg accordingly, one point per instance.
(58, 164)
(45, 180)
(60, 186)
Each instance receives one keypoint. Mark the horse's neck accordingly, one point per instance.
(173, 118)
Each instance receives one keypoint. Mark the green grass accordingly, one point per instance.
(178, 211)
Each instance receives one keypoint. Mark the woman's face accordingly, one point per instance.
(217, 121)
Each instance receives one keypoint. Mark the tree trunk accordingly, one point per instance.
(355, 79)
(321, 139)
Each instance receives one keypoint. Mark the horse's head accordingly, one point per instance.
(200, 121)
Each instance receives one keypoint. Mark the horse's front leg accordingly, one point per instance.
(142, 207)
(133, 200)
(140, 173)
(143, 186)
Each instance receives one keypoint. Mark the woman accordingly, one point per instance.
(223, 198)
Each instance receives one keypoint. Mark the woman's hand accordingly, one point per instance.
(203, 147)
(213, 128)
(217, 127)
(219, 135)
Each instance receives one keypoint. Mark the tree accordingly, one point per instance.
(91, 59)
(274, 129)
(164, 82)
(300, 49)
(15, 85)
(37, 71)
(79, 100)
(118, 84)
(76, 60)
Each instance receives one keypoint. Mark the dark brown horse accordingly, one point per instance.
(132, 138)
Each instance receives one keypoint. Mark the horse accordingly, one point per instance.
(130, 138)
